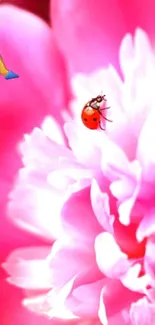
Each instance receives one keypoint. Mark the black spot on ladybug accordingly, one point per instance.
(94, 119)
(85, 119)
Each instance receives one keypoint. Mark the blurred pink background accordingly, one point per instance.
(38, 7)
(11, 311)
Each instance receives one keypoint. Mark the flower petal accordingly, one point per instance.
(39, 213)
(133, 281)
(102, 310)
(149, 261)
(42, 196)
(125, 177)
(139, 70)
(116, 298)
(52, 130)
(53, 303)
(100, 205)
(91, 147)
(66, 261)
(145, 150)
(146, 226)
(28, 268)
(85, 298)
(78, 220)
(111, 261)
(38, 151)
(142, 313)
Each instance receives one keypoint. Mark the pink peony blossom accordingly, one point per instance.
(95, 196)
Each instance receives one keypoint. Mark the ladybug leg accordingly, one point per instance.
(101, 126)
(107, 119)
(103, 109)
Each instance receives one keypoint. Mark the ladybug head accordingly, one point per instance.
(100, 98)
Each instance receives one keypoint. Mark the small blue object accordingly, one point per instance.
(11, 75)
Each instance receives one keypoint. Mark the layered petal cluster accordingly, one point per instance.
(95, 195)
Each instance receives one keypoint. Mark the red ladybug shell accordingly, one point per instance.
(92, 113)
(90, 117)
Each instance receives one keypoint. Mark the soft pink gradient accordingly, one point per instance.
(86, 46)
(40, 90)
(28, 48)
(92, 31)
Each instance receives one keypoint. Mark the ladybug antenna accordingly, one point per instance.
(102, 95)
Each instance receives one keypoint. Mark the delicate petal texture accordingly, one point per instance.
(71, 256)
(56, 298)
(147, 225)
(91, 146)
(52, 130)
(113, 303)
(78, 218)
(32, 148)
(89, 295)
(99, 201)
(150, 259)
(113, 263)
(44, 186)
(133, 281)
(137, 67)
(142, 313)
(29, 268)
(145, 150)
(84, 299)
(102, 311)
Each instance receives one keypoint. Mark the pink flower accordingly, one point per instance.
(28, 48)
(94, 195)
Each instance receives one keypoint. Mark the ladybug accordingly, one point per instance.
(92, 113)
